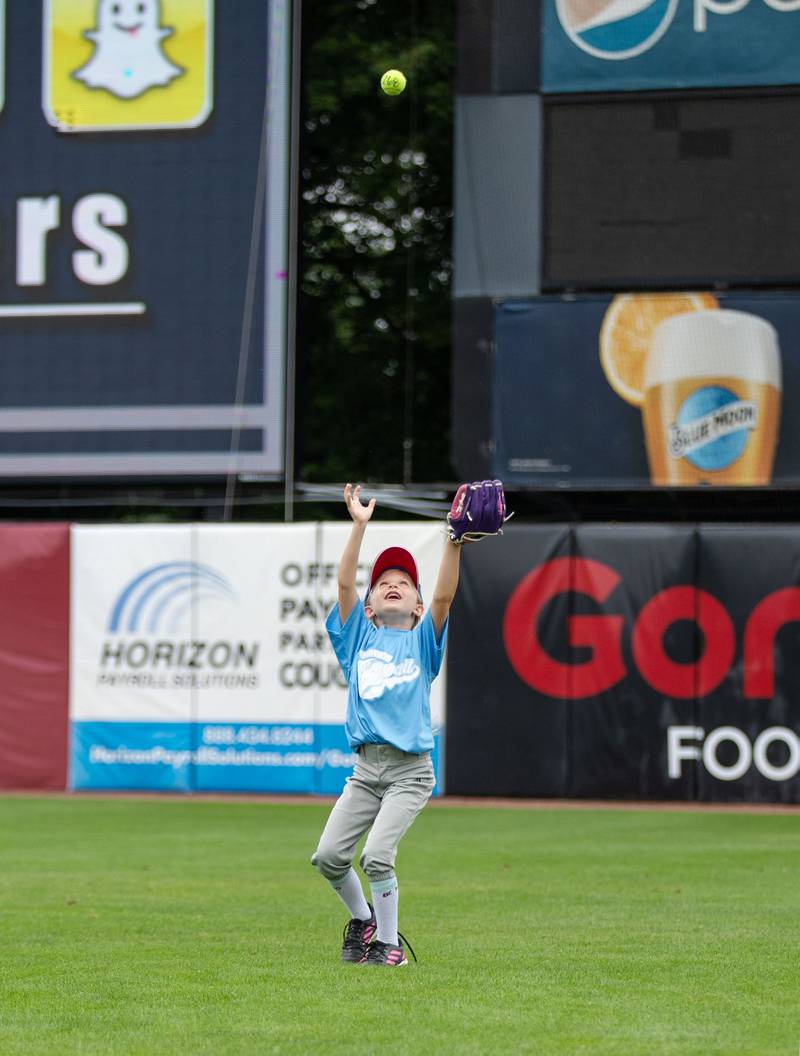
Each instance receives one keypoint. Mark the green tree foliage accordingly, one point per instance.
(376, 213)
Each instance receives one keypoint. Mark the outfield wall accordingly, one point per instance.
(628, 661)
(200, 661)
(34, 653)
(637, 661)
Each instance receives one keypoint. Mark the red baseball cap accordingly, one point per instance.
(394, 557)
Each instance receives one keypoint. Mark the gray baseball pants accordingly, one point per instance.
(387, 789)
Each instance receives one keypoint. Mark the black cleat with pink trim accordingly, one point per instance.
(357, 936)
(386, 954)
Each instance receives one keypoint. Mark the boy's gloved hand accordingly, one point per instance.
(478, 510)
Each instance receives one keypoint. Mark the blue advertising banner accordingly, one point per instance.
(625, 45)
(638, 390)
(213, 757)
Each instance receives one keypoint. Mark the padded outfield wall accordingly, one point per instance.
(628, 661)
(601, 661)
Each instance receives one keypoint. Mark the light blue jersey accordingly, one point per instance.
(389, 673)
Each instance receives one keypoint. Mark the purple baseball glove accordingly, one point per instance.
(478, 510)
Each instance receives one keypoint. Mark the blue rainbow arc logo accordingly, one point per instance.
(158, 598)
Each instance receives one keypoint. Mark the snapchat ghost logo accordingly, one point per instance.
(128, 59)
(128, 65)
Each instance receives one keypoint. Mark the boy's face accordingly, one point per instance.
(393, 601)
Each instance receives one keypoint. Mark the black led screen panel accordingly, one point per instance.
(642, 194)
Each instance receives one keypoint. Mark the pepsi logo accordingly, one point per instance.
(615, 29)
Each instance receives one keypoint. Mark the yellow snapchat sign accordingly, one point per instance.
(117, 65)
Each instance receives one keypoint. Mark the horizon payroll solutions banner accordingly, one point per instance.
(143, 294)
(628, 662)
(200, 661)
(636, 44)
(648, 390)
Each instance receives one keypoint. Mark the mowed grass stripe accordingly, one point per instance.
(138, 927)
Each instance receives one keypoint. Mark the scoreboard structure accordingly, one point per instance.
(143, 271)
(611, 151)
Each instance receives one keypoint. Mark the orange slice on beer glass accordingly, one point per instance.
(627, 330)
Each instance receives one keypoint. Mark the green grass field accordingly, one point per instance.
(190, 927)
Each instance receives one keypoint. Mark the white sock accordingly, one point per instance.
(384, 899)
(350, 891)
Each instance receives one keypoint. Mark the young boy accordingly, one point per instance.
(390, 651)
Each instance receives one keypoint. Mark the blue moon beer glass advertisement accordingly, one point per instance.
(684, 389)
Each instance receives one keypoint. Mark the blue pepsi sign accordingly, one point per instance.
(609, 45)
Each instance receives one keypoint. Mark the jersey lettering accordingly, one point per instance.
(377, 673)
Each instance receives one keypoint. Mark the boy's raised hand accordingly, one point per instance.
(348, 564)
(355, 507)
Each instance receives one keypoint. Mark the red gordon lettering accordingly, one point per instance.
(767, 618)
(602, 634)
(668, 676)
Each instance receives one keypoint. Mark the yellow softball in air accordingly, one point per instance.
(393, 82)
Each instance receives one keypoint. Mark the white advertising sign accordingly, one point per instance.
(199, 658)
